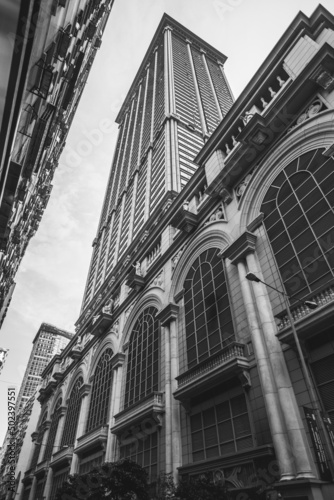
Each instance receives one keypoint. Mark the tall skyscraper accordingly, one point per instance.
(48, 341)
(176, 101)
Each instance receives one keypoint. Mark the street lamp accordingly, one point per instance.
(314, 400)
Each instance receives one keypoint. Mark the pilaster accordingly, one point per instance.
(198, 95)
(211, 84)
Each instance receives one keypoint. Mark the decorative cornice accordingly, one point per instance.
(117, 360)
(84, 390)
(168, 313)
(240, 247)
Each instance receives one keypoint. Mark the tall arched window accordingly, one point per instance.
(72, 415)
(142, 376)
(208, 317)
(299, 220)
(38, 442)
(99, 403)
(49, 449)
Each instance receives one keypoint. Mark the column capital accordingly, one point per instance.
(46, 425)
(240, 247)
(168, 313)
(84, 390)
(167, 28)
(117, 360)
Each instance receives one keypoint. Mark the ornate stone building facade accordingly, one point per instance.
(48, 50)
(179, 362)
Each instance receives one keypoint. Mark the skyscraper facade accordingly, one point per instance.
(180, 362)
(177, 99)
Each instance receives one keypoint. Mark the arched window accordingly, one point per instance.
(99, 403)
(142, 376)
(38, 442)
(208, 317)
(49, 449)
(72, 415)
(299, 220)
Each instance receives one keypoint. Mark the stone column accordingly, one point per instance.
(236, 253)
(269, 390)
(167, 318)
(81, 424)
(117, 362)
(294, 424)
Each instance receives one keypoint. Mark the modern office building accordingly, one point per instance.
(179, 361)
(47, 50)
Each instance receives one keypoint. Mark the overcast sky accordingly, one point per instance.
(52, 276)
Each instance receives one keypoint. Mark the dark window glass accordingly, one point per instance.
(207, 311)
(223, 428)
(143, 363)
(99, 403)
(304, 250)
(49, 449)
(38, 442)
(72, 415)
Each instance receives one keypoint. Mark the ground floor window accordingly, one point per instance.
(142, 448)
(323, 371)
(26, 494)
(93, 460)
(220, 426)
(58, 479)
(40, 489)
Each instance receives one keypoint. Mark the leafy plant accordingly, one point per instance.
(122, 480)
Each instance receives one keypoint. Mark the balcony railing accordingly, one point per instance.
(62, 457)
(300, 311)
(230, 361)
(151, 405)
(93, 439)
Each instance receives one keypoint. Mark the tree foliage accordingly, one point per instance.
(122, 480)
(200, 488)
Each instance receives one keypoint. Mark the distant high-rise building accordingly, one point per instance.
(47, 50)
(48, 341)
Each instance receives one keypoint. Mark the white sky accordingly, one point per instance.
(52, 276)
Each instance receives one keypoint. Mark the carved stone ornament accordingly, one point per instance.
(159, 280)
(176, 258)
(240, 189)
(217, 214)
(115, 328)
